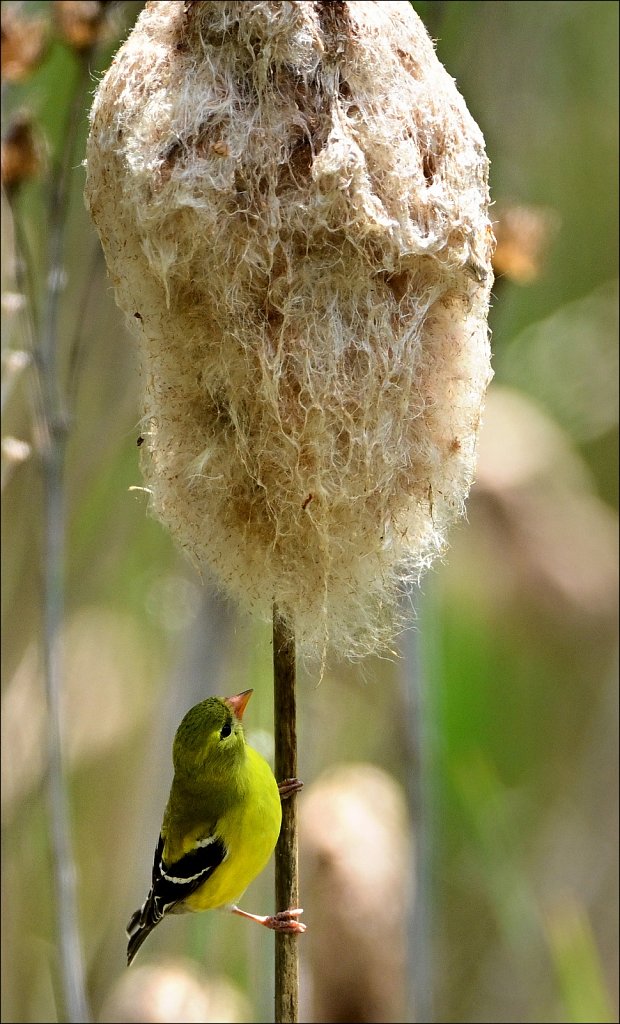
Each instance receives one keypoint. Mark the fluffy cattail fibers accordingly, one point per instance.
(292, 199)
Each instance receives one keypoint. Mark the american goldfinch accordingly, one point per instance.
(221, 823)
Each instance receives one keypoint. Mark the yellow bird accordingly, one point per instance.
(221, 823)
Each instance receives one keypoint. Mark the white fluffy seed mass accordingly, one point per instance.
(293, 203)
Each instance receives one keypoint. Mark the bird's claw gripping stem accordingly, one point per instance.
(288, 787)
(284, 921)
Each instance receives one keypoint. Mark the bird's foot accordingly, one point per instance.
(289, 787)
(284, 921)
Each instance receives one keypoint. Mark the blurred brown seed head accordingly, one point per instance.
(170, 991)
(524, 235)
(357, 874)
(80, 22)
(21, 152)
(535, 513)
(24, 42)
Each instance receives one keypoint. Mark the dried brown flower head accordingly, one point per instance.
(21, 151)
(523, 234)
(80, 22)
(24, 42)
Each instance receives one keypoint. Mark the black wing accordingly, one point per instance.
(171, 884)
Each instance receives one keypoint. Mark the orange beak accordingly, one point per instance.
(239, 703)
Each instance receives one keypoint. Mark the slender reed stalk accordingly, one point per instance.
(287, 886)
(419, 752)
(54, 417)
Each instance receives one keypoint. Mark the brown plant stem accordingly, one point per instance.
(287, 886)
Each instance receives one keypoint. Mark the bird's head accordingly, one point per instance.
(210, 739)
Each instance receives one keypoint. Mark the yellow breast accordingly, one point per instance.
(250, 832)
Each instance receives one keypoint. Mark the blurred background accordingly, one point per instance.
(459, 822)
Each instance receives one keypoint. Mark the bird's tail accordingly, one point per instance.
(138, 930)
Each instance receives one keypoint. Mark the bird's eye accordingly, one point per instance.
(225, 731)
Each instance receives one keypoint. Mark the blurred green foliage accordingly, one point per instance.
(514, 733)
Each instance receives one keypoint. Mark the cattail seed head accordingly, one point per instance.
(292, 199)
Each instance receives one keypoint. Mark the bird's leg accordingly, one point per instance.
(282, 922)
(289, 787)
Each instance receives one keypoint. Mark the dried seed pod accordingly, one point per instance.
(356, 853)
(292, 199)
(523, 236)
(80, 22)
(24, 44)
(21, 151)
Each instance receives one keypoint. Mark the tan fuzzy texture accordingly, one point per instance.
(356, 868)
(292, 199)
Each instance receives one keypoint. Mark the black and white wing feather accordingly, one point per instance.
(171, 884)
